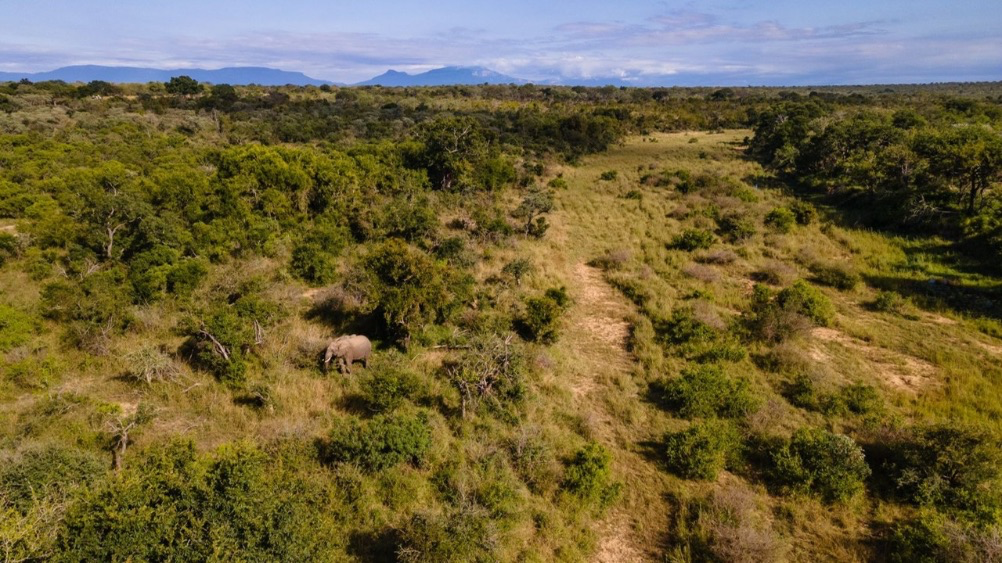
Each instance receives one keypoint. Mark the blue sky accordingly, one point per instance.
(732, 42)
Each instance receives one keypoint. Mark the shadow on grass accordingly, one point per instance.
(944, 292)
(375, 547)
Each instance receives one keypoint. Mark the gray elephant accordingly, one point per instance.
(348, 350)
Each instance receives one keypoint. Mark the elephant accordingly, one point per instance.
(348, 349)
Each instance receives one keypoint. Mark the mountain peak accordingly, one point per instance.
(444, 76)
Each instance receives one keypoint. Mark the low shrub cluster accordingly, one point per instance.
(383, 441)
(820, 462)
(702, 450)
(705, 391)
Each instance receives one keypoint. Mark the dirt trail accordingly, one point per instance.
(595, 338)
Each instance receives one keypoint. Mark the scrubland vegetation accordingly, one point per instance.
(612, 324)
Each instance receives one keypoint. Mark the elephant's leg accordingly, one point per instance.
(365, 362)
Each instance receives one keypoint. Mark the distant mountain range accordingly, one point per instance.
(260, 75)
(450, 75)
(122, 74)
(444, 76)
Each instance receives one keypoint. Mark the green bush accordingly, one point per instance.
(588, 476)
(314, 257)
(820, 462)
(517, 269)
(466, 533)
(16, 327)
(888, 302)
(609, 175)
(949, 466)
(781, 220)
(921, 540)
(387, 387)
(8, 247)
(808, 301)
(693, 239)
(804, 212)
(383, 441)
(835, 275)
(706, 391)
(541, 319)
(410, 287)
(702, 450)
(735, 228)
(48, 472)
(177, 505)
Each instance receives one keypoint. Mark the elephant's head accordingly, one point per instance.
(335, 349)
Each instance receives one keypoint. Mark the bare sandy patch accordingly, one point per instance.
(894, 369)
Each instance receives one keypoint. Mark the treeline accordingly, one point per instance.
(930, 165)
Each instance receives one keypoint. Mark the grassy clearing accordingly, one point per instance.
(928, 357)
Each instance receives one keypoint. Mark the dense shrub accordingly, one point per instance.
(490, 375)
(181, 506)
(888, 302)
(702, 450)
(388, 386)
(781, 220)
(588, 476)
(410, 288)
(793, 310)
(381, 442)
(48, 472)
(541, 319)
(16, 327)
(706, 391)
(804, 212)
(466, 533)
(949, 466)
(693, 239)
(820, 462)
(808, 301)
(835, 275)
(314, 257)
(735, 228)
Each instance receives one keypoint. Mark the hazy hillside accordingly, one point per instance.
(606, 324)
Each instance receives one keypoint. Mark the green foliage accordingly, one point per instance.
(888, 302)
(387, 387)
(835, 275)
(808, 301)
(517, 269)
(781, 220)
(409, 286)
(531, 210)
(178, 505)
(541, 319)
(702, 450)
(383, 441)
(735, 228)
(705, 391)
(857, 398)
(49, 472)
(183, 86)
(466, 533)
(490, 375)
(949, 466)
(16, 327)
(588, 476)
(693, 239)
(924, 539)
(221, 340)
(804, 212)
(609, 175)
(820, 462)
(778, 317)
